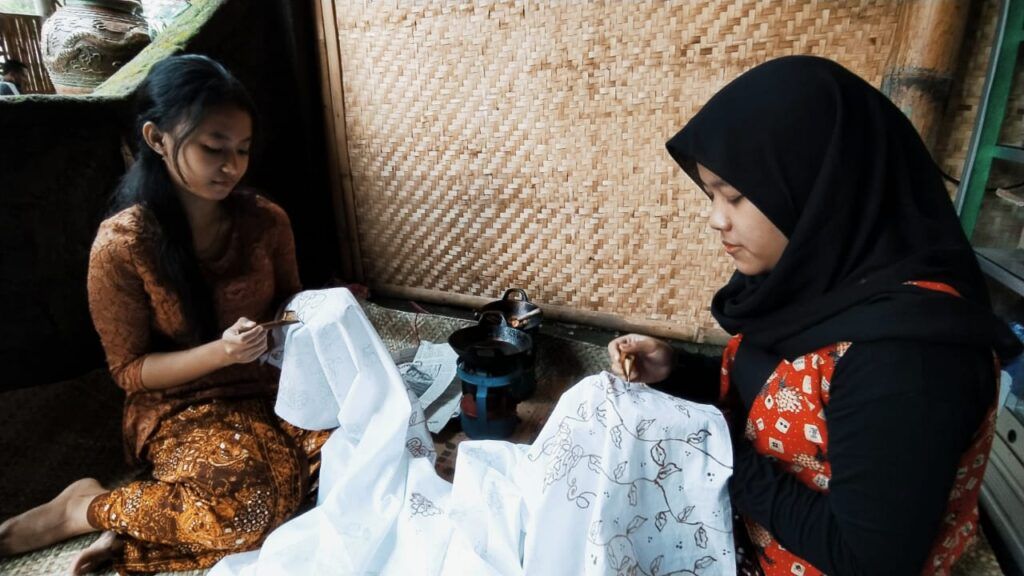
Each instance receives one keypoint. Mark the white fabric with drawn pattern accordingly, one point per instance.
(622, 479)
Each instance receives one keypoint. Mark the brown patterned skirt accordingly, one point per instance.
(225, 473)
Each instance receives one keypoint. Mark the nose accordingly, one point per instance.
(230, 165)
(718, 220)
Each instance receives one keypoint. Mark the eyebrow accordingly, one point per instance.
(222, 136)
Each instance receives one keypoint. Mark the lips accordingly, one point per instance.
(731, 248)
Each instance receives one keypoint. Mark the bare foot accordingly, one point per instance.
(97, 554)
(58, 519)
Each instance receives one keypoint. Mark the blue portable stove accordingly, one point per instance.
(491, 367)
(489, 399)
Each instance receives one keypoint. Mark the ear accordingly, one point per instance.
(154, 138)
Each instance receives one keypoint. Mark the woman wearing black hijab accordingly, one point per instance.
(861, 370)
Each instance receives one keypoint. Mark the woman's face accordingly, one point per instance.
(754, 243)
(214, 157)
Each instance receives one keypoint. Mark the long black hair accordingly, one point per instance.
(175, 96)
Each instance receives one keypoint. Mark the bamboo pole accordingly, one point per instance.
(920, 69)
(339, 167)
(19, 40)
(602, 320)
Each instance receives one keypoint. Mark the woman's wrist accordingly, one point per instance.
(216, 355)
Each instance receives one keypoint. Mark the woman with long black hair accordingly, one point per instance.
(179, 276)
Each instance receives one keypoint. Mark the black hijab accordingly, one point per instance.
(845, 176)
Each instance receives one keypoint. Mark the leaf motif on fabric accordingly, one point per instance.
(594, 534)
(643, 426)
(667, 470)
(620, 553)
(635, 524)
(685, 513)
(582, 411)
(683, 409)
(613, 560)
(620, 469)
(560, 441)
(617, 435)
(550, 445)
(698, 437)
(703, 563)
(656, 565)
(658, 454)
(660, 519)
(602, 415)
(594, 463)
(632, 494)
(562, 463)
(701, 538)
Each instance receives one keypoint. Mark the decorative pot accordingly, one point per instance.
(86, 41)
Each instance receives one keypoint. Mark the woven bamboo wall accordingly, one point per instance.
(962, 109)
(497, 144)
(19, 40)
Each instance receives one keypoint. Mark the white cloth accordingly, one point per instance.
(622, 479)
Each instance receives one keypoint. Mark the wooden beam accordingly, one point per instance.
(339, 166)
